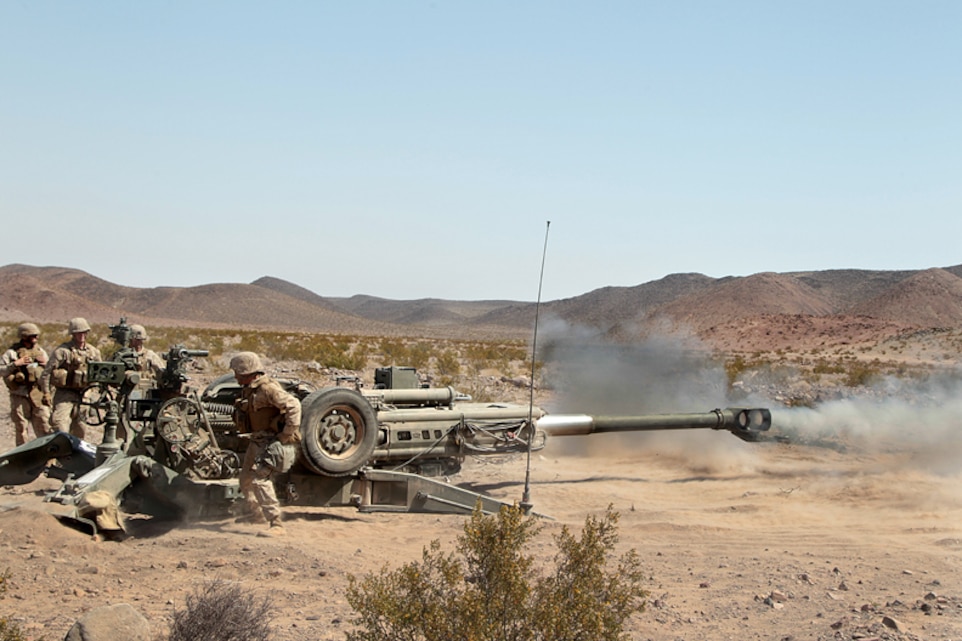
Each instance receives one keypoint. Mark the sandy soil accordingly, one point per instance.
(739, 541)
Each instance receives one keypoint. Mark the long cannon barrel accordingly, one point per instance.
(745, 423)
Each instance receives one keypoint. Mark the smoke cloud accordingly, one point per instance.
(918, 425)
(921, 427)
(659, 375)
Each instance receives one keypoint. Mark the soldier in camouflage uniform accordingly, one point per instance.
(22, 369)
(67, 372)
(272, 417)
(147, 363)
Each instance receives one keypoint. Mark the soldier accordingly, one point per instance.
(272, 416)
(22, 367)
(148, 364)
(67, 372)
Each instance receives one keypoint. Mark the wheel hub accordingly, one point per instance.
(338, 433)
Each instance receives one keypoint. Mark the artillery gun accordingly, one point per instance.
(380, 449)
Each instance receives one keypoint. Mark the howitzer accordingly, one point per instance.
(373, 449)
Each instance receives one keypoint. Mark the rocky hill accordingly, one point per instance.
(798, 307)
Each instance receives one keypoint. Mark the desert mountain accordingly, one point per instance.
(931, 298)
(424, 311)
(736, 298)
(54, 294)
(893, 299)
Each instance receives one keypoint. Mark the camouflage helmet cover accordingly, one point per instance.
(138, 331)
(28, 329)
(246, 363)
(78, 325)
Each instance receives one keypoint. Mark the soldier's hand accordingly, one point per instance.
(46, 400)
(23, 360)
(290, 438)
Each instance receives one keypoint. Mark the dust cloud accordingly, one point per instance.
(923, 432)
(660, 375)
(919, 425)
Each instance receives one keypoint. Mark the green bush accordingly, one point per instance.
(448, 364)
(494, 593)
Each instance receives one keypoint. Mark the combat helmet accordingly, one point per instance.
(78, 325)
(28, 329)
(246, 363)
(138, 331)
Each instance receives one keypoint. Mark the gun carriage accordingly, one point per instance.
(171, 450)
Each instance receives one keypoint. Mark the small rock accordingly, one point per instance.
(893, 624)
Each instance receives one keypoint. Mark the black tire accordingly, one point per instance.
(338, 431)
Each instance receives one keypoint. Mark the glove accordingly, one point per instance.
(290, 438)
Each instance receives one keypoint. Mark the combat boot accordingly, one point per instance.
(254, 515)
(276, 528)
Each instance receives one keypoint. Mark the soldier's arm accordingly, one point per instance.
(288, 404)
(6, 362)
(53, 363)
(157, 364)
(290, 407)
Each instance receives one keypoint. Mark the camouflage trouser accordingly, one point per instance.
(67, 416)
(23, 413)
(256, 481)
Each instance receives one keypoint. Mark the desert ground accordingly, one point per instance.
(849, 529)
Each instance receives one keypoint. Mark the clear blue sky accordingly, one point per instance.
(417, 149)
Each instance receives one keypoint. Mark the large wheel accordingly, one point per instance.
(338, 431)
(178, 420)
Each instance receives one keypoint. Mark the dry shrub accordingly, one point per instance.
(9, 630)
(496, 592)
(223, 611)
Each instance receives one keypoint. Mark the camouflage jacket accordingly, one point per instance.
(150, 366)
(20, 380)
(67, 368)
(264, 405)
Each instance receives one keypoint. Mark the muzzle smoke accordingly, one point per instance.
(920, 423)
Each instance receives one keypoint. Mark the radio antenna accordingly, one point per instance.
(526, 504)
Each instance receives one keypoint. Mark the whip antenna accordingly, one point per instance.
(526, 504)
